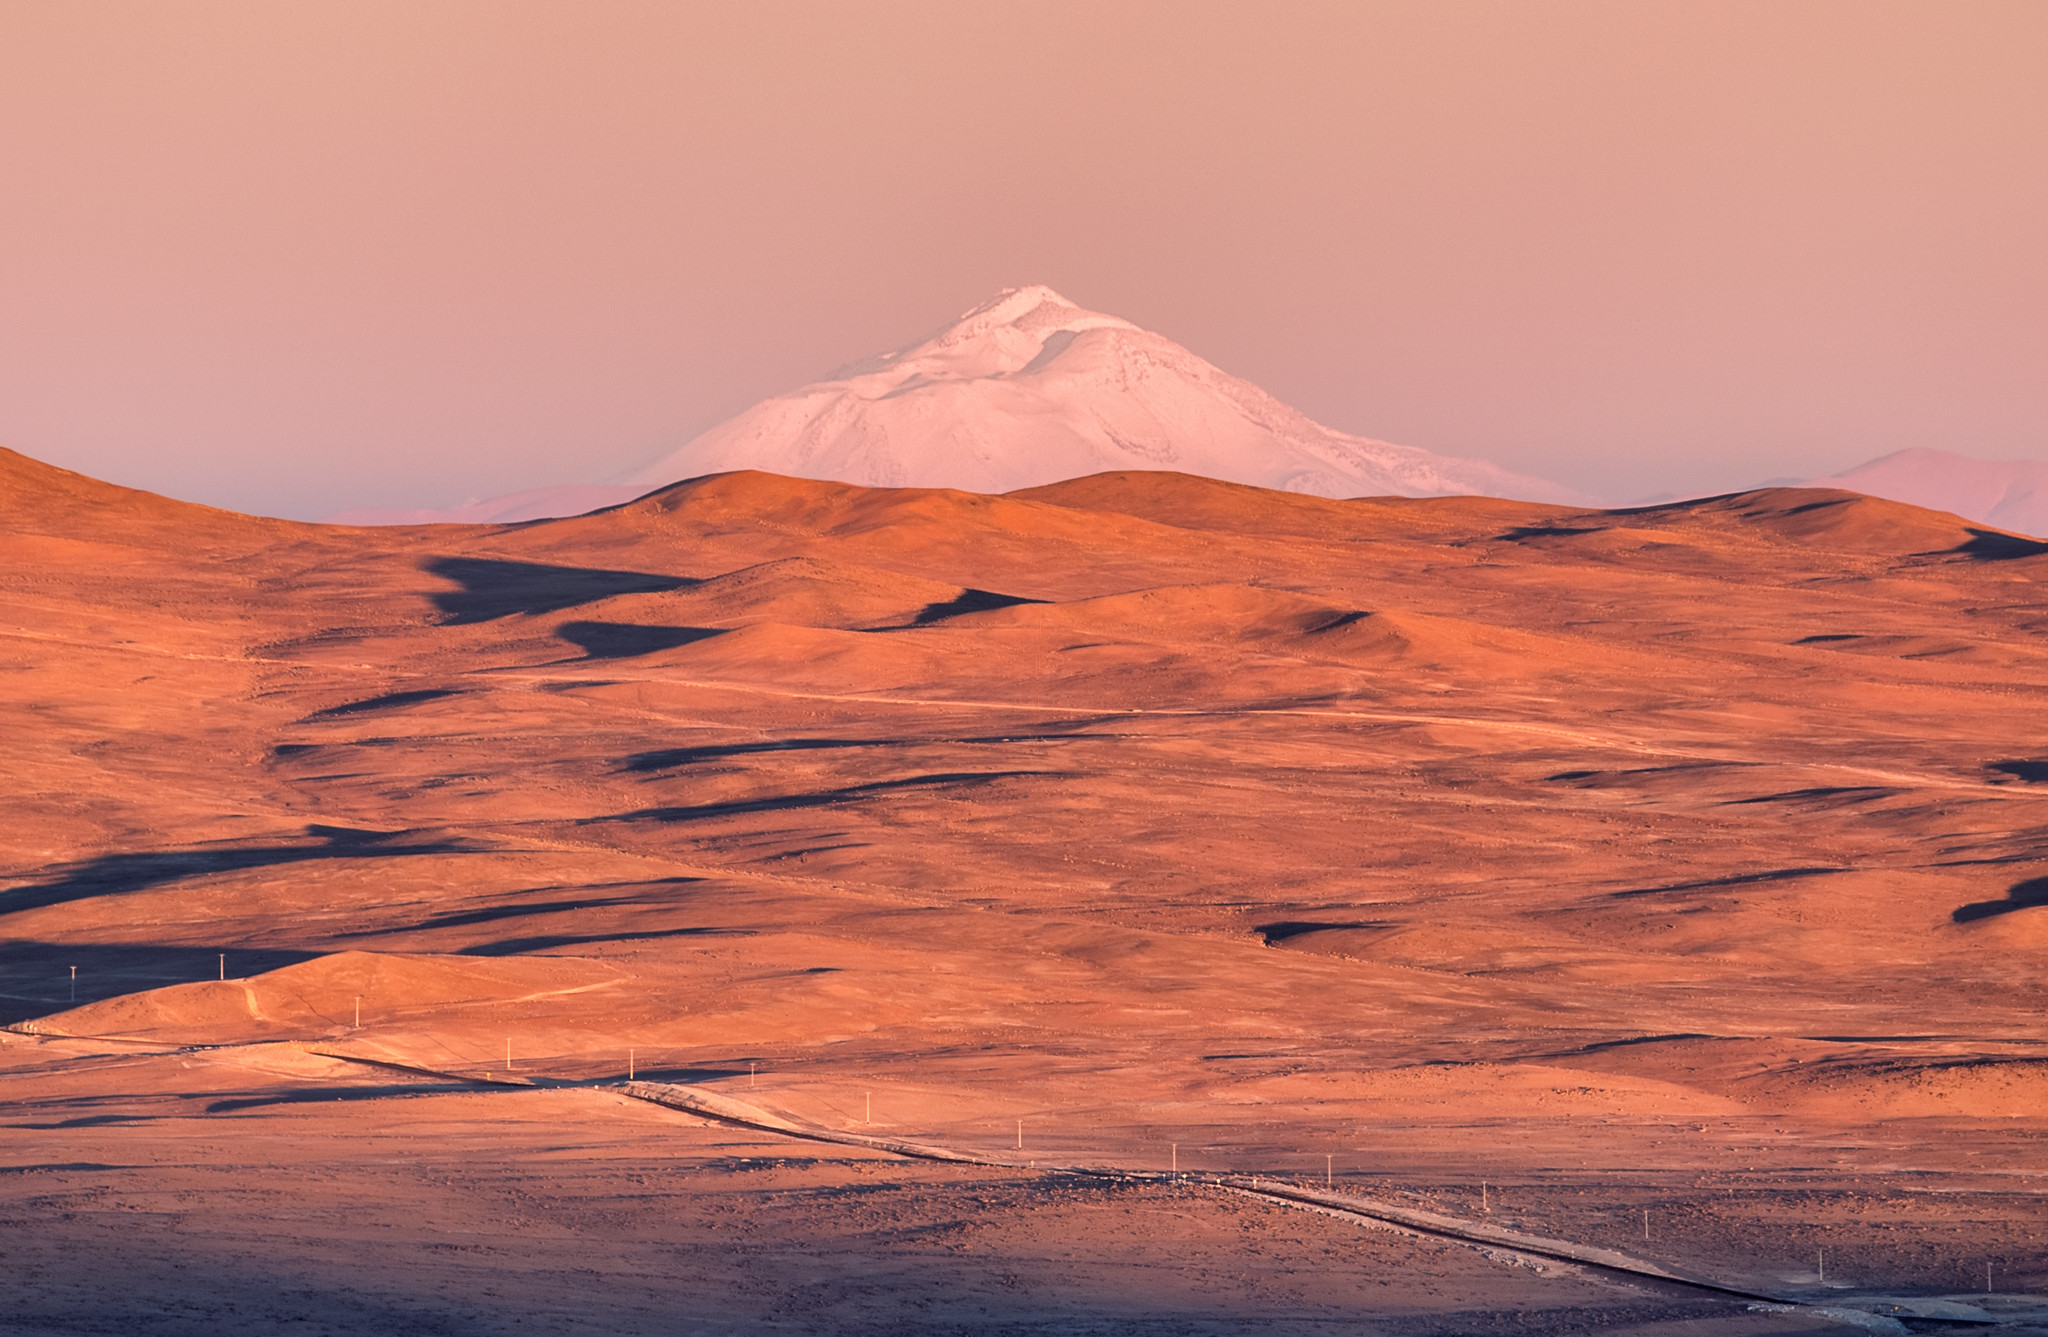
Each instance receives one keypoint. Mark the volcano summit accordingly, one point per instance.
(1028, 389)
(1025, 390)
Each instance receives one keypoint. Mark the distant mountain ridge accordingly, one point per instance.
(1025, 390)
(2009, 494)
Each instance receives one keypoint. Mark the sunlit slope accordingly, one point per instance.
(1134, 769)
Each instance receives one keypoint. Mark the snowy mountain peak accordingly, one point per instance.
(1036, 310)
(1027, 389)
(1006, 333)
(1032, 308)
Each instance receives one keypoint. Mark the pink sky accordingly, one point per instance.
(296, 257)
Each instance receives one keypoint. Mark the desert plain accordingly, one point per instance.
(1669, 882)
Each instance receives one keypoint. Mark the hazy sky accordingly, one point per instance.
(291, 257)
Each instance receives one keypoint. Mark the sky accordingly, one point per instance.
(292, 257)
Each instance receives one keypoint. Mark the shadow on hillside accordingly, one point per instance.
(2025, 895)
(1988, 545)
(1841, 794)
(35, 977)
(969, 601)
(623, 640)
(544, 942)
(669, 757)
(444, 1086)
(1280, 932)
(492, 914)
(2030, 772)
(823, 798)
(330, 1094)
(114, 874)
(1733, 880)
(388, 701)
(689, 1075)
(492, 587)
(1520, 532)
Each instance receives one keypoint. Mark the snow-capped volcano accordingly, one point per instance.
(1024, 390)
(1028, 389)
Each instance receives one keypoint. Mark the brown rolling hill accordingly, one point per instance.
(1686, 859)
